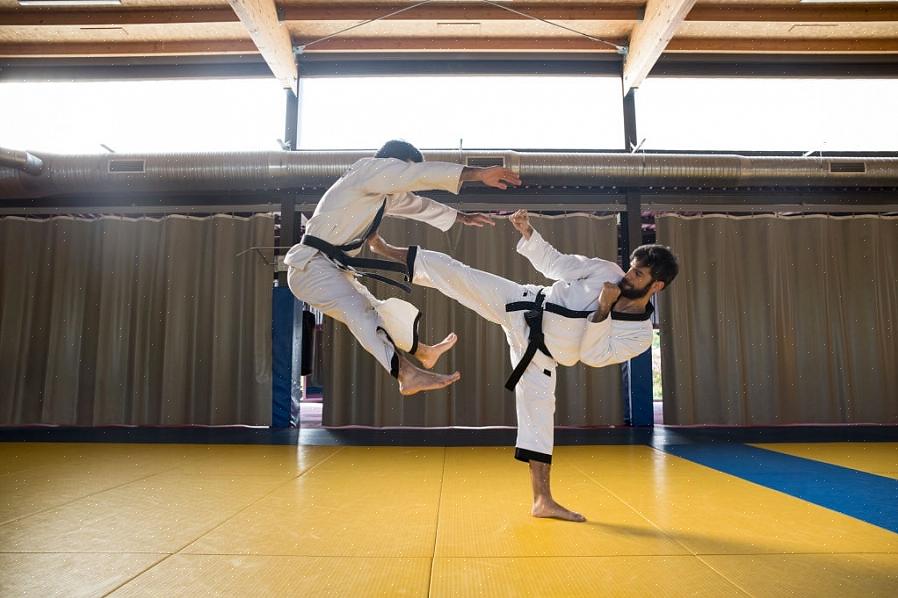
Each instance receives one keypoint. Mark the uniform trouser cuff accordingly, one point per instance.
(394, 364)
(414, 348)
(410, 256)
(394, 361)
(527, 456)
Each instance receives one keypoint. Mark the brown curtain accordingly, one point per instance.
(358, 392)
(135, 321)
(778, 320)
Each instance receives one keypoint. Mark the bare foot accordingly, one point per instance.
(556, 511)
(428, 355)
(412, 380)
(381, 247)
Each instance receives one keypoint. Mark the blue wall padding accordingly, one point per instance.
(282, 303)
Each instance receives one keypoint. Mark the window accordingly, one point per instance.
(768, 114)
(142, 116)
(475, 112)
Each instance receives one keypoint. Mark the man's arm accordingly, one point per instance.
(611, 341)
(550, 262)
(434, 213)
(423, 209)
(389, 175)
(398, 179)
(386, 176)
(607, 342)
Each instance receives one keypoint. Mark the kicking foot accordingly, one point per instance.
(555, 511)
(377, 245)
(428, 355)
(412, 380)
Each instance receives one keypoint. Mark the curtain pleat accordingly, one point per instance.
(778, 320)
(135, 321)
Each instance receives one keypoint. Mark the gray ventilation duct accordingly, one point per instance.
(24, 161)
(269, 171)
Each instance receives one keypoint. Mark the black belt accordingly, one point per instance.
(536, 340)
(337, 254)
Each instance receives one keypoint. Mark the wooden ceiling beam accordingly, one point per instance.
(728, 45)
(261, 20)
(79, 18)
(244, 47)
(721, 13)
(338, 44)
(651, 36)
(798, 13)
(473, 11)
(348, 12)
(118, 48)
(473, 44)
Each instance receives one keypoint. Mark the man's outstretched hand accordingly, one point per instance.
(493, 176)
(478, 220)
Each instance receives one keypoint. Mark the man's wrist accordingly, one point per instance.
(471, 173)
(599, 314)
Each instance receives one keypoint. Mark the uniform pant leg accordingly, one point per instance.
(335, 293)
(487, 294)
(535, 405)
(483, 292)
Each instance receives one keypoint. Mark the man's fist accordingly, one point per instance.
(521, 221)
(609, 295)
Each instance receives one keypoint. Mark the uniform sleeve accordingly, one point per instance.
(389, 175)
(610, 341)
(409, 205)
(555, 265)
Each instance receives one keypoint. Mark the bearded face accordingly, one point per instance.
(630, 291)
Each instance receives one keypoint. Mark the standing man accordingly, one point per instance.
(594, 313)
(322, 266)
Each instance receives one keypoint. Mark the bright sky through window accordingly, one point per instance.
(479, 112)
(143, 116)
(768, 114)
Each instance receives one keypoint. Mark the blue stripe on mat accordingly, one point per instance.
(861, 495)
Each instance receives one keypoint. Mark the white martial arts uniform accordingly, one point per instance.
(579, 283)
(343, 215)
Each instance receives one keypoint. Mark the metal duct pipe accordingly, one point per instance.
(270, 171)
(24, 161)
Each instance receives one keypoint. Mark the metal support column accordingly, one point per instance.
(286, 310)
(636, 374)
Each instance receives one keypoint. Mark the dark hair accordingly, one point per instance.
(659, 259)
(403, 150)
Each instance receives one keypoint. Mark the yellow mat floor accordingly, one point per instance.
(248, 520)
